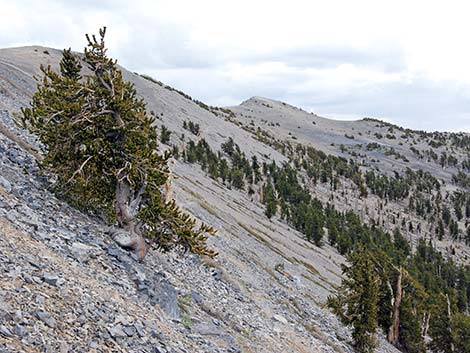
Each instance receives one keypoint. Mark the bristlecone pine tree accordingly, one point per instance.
(102, 146)
(356, 304)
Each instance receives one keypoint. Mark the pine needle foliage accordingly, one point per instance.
(102, 146)
(357, 302)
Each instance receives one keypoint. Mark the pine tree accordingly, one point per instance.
(410, 338)
(446, 217)
(402, 246)
(224, 170)
(270, 200)
(314, 225)
(333, 233)
(440, 328)
(70, 65)
(461, 333)
(236, 176)
(440, 231)
(165, 135)
(357, 301)
(256, 169)
(102, 147)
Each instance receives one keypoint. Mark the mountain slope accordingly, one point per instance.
(377, 146)
(265, 292)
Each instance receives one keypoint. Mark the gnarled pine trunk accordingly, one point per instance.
(126, 210)
(449, 314)
(393, 332)
(425, 324)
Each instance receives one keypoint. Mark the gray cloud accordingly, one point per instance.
(163, 45)
(379, 83)
(390, 59)
(419, 103)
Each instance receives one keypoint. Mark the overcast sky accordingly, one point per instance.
(403, 61)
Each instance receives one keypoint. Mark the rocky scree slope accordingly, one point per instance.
(67, 287)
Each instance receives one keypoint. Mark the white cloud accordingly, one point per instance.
(404, 60)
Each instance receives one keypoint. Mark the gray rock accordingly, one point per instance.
(207, 329)
(117, 331)
(64, 347)
(140, 330)
(5, 313)
(130, 330)
(158, 335)
(165, 296)
(27, 278)
(39, 299)
(82, 252)
(32, 220)
(81, 319)
(196, 297)
(120, 236)
(280, 319)
(114, 251)
(33, 262)
(12, 216)
(35, 205)
(47, 318)
(5, 184)
(20, 330)
(53, 280)
(4, 331)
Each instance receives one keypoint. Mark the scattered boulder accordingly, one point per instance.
(53, 280)
(47, 318)
(82, 252)
(160, 292)
(20, 331)
(5, 184)
(280, 318)
(117, 331)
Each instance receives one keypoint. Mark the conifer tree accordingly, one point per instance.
(236, 176)
(223, 169)
(461, 333)
(70, 65)
(256, 169)
(402, 246)
(165, 135)
(440, 328)
(102, 146)
(356, 303)
(270, 200)
(410, 338)
(314, 225)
